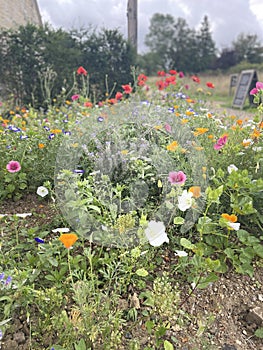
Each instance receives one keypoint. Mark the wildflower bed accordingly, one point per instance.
(154, 214)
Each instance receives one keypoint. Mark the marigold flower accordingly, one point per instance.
(81, 71)
(256, 134)
(172, 146)
(231, 218)
(13, 166)
(196, 190)
(239, 122)
(68, 239)
(200, 131)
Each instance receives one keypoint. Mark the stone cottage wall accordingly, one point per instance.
(19, 12)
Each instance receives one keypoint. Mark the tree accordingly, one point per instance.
(248, 48)
(161, 37)
(206, 46)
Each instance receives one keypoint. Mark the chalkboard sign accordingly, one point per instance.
(247, 81)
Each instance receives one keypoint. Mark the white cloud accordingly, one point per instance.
(227, 21)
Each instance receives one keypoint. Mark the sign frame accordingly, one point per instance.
(246, 82)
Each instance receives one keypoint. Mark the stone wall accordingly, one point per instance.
(19, 12)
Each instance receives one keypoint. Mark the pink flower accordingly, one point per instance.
(181, 74)
(259, 86)
(75, 97)
(118, 95)
(220, 142)
(168, 127)
(13, 166)
(177, 178)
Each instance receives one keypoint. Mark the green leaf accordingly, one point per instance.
(81, 345)
(258, 248)
(259, 333)
(178, 220)
(187, 244)
(142, 272)
(167, 345)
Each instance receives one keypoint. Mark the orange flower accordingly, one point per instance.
(256, 134)
(172, 146)
(196, 190)
(41, 145)
(231, 218)
(189, 112)
(184, 121)
(88, 104)
(68, 239)
(200, 131)
(239, 122)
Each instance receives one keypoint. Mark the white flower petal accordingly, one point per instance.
(42, 191)
(155, 233)
(180, 253)
(61, 230)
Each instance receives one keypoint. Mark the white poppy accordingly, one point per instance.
(42, 191)
(180, 253)
(185, 201)
(24, 215)
(231, 168)
(61, 230)
(234, 225)
(155, 233)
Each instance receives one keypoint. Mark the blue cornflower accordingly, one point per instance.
(14, 128)
(78, 171)
(8, 280)
(39, 240)
(100, 119)
(2, 276)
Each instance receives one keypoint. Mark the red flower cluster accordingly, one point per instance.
(142, 79)
(196, 79)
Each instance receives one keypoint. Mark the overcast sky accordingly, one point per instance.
(227, 18)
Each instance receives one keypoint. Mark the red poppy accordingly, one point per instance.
(170, 80)
(142, 77)
(161, 73)
(118, 95)
(173, 72)
(87, 104)
(82, 71)
(127, 88)
(195, 79)
(210, 85)
(160, 84)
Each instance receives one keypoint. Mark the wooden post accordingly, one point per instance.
(132, 15)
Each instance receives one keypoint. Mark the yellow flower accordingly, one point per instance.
(41, 145)
(56, 131)
(184, 121)
(256, 134)
(200, 131)
(172, 146)
(124, 152)
(189, 112)
(157, 127)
